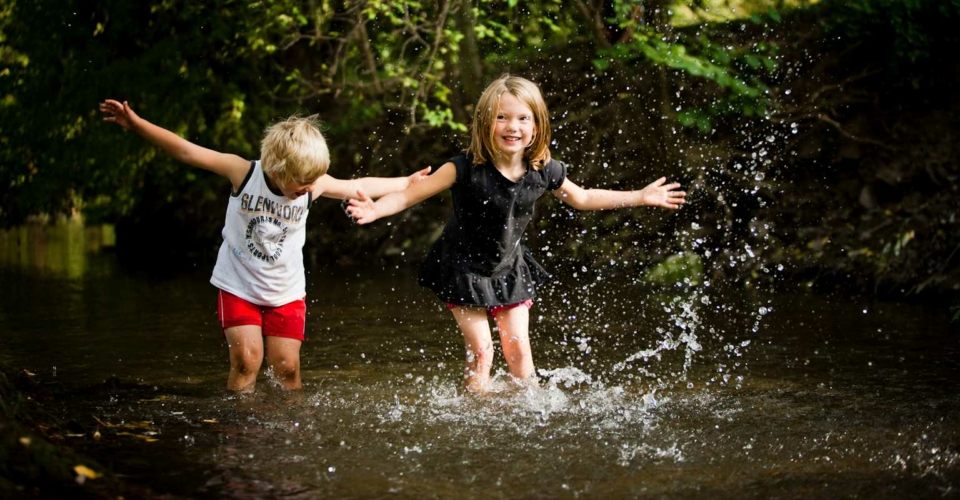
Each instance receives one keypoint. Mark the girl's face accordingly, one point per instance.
(514, 128)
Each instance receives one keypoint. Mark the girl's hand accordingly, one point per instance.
(361, 209)
(120, 114)
(665, 196)
(418, 176)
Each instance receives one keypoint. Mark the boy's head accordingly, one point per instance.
(482, 142)
(294, 152)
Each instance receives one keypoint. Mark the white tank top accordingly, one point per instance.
(261, 258)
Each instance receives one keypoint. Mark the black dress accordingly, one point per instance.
(480, 259)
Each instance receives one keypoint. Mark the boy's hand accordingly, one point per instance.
(120, 114)
(361, 209)
(418, 176)
(659, 195)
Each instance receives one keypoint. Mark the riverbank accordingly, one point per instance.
(36, 457)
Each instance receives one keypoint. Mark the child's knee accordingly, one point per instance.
(285, 366)
(519, 358)
(245, 364)
(482, 355)
(246, 360)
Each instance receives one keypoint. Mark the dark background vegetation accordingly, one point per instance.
(817, 139)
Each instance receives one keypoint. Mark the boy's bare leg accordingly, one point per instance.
(476, 338)
(246, 355)
(283, 357)
(514, 326)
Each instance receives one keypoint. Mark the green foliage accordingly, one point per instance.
(174, 61)
(233, 66)
(686, 268)
(739, 71)
(747, 101)
(676, 56)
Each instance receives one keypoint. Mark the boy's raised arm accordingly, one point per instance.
(364, 210)
(230, 166)
(375, 187)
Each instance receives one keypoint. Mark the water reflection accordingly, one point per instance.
(695, 393)
(60, 249)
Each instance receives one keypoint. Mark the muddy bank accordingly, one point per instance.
(41, 439)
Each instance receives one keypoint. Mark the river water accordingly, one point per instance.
(693, 392)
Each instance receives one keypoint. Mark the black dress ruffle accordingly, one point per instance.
(480, 259)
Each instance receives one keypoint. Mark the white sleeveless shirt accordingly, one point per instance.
(261, 258)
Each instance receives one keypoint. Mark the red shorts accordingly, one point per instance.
(285, 321)
(495, 309)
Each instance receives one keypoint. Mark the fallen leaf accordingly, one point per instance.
(138, 436)
(84, 471)
(139, 425)
(105, 424)
(158, 398)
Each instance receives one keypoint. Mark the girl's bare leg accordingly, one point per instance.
(246, 354)
(514, 326)
(283, 357)
(476, 338)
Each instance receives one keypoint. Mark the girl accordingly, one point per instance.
(480, 266)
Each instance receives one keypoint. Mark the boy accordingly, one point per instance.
(259, 270)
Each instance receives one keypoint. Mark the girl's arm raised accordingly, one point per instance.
(364, 210)
(374, 187)
(657, 194)
(227, 165)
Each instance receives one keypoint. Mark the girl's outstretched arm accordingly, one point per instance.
(364, 210)
(657, 194)
(374, 187)
(230, 166)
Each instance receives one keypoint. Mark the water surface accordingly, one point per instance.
(690, 393)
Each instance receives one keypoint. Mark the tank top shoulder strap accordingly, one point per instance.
(246, 179)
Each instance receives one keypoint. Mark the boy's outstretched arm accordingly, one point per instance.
(364, 210)
(230, 166)
(375, 187)
(657, 194)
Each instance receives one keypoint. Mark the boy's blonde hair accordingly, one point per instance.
(294, 150)
(482, 144)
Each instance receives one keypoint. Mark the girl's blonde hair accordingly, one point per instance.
(294, 150)
(482, 145)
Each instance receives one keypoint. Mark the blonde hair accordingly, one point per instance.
(294, 150)
(482, 145)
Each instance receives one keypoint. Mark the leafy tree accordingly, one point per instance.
(752, 104)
